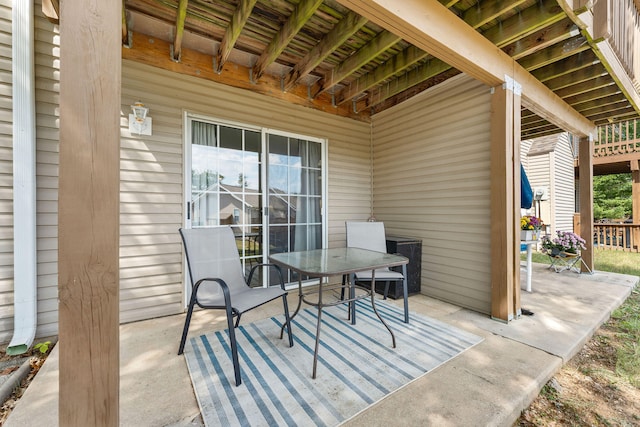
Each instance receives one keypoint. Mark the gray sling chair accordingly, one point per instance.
(218, 282)
(371, 235)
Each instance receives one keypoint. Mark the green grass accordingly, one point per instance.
(611, 261)
(626, 319)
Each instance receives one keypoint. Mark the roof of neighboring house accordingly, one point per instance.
(543, 145)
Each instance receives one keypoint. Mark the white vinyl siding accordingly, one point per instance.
(554, 170)
(539, 173)
(564, 183)
(431, 162)
(151, 206)
(6, 175)
(47, 70)
(151, 188)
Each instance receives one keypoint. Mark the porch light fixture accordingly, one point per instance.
(138, 121)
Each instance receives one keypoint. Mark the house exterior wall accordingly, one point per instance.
(152, 179)
(563, 185)
(431, 162)
(151, 171)
(554, 170)
(539, 171)
(47, 73)
(6, 167)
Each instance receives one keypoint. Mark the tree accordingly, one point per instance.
(612, 196)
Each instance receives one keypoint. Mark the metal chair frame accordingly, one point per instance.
(228, 306)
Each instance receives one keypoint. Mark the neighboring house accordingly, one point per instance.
(549, 163)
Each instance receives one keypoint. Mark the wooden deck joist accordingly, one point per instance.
(430, 26)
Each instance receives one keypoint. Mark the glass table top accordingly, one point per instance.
(335, 261)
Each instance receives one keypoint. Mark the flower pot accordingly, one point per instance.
(529, 234)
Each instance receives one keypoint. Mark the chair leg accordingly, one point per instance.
(287, 319)
(187, 321)
(352, 296)
(405, 293)
(234, 346)
(386, 289)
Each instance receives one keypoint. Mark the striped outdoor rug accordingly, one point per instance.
(356, 366)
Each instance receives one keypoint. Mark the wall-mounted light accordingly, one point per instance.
(138, 121)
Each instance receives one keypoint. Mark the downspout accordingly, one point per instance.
(24, 178)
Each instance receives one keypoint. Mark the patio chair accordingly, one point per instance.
(218, 282)
(371, 235)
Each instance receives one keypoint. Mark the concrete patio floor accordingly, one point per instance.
(488, 385)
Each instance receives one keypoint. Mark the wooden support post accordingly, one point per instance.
(88, 209)
(505, 202)
(585, 162)
(635, 199)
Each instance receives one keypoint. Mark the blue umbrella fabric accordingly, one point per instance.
(526, 193)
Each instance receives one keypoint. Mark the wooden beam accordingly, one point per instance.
(579, 76)
(615, 115)
(585, 182)
(615, 158)
(516, 194)
(237, 23)
(347, 26)
(431, 27)
(482, 13)
(181, 16)
(51, 10)
(592, 95)
(429, 69)
(610, 61)
(635, 198)
(410, 92)
(579, 61)
(555, 53)
(125, 26)
(88, 212)
(409, 56)
(152, 52)
(504, 216)
(300, 15)
(527, 22)
(610, 104)
(635, 190)
(365, 54)
(594, 31)
(412, 55)
(584, 86)
(541, 39)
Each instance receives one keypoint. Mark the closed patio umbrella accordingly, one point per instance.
(526, 193)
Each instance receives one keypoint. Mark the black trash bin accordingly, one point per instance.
(412, 249)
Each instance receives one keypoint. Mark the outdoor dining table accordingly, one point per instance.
(323, 263)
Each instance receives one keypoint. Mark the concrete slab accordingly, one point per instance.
(488, 385)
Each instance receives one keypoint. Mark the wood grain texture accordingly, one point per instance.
(502, 205)
(88, 212)
(585, 182)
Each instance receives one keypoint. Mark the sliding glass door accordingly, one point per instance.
(267, 185)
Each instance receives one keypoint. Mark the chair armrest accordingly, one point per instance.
(276, 266)
(223, 285)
